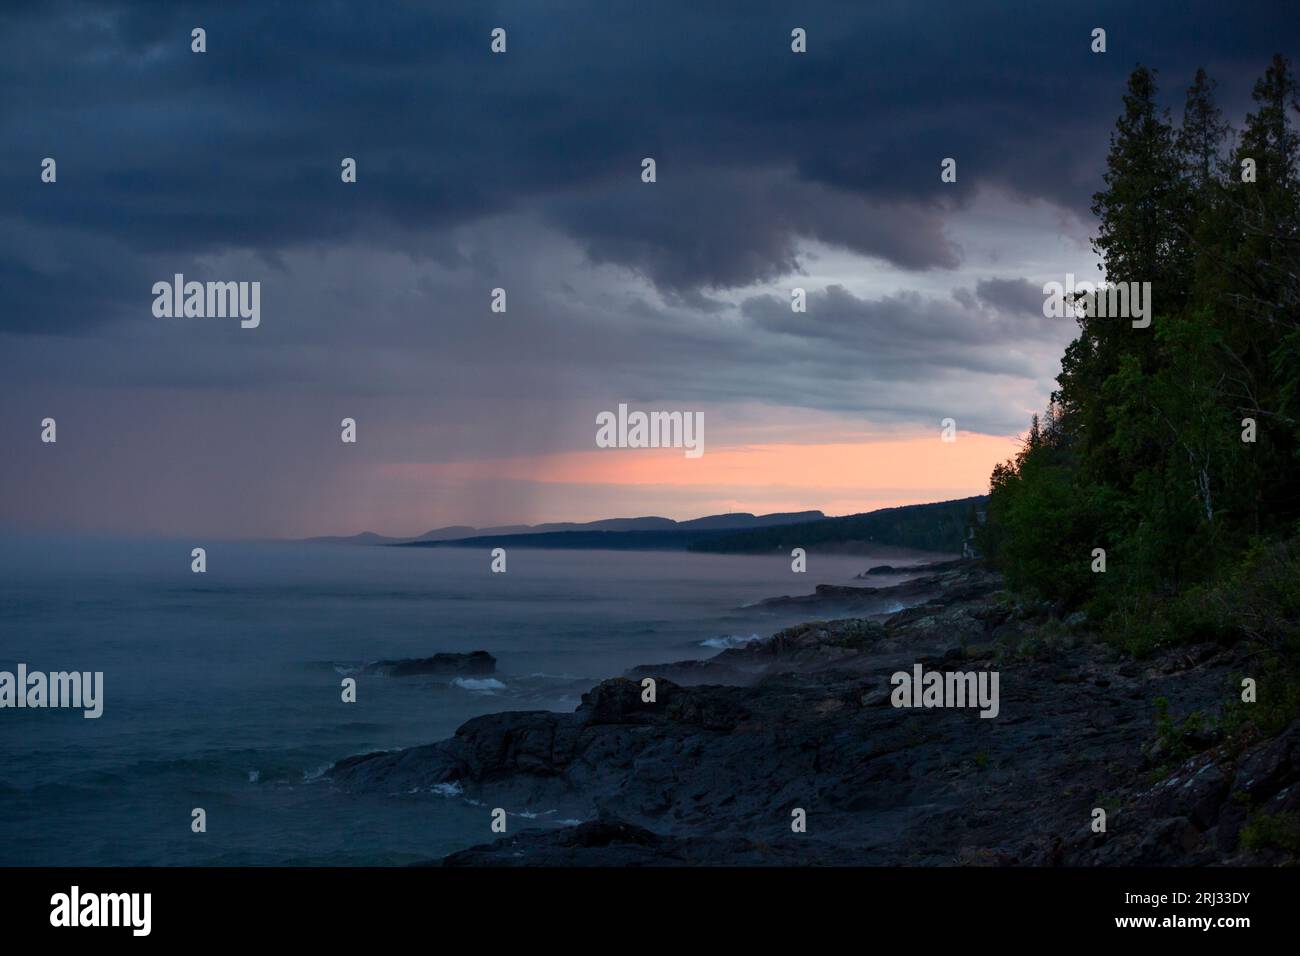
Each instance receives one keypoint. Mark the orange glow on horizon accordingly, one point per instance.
(919, 464)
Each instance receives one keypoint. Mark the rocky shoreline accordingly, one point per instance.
(712, 771)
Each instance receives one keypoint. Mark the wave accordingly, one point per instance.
(890, 610)
(311, 776)
(531, 814)
(485, 685)
(730, 640)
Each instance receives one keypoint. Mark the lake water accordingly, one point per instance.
(222, 690)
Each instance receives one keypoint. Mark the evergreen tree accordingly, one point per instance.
(1136, 239)
(1202, 136)
(1140, 451)
(1260, 267)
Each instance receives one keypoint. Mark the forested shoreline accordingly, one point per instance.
(1160, 489)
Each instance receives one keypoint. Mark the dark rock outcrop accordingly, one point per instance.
(1195, 815)
(440, 665)
(961, 583)
(714, 768)
(934, 567)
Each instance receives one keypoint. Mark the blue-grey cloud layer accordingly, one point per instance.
(168, 154)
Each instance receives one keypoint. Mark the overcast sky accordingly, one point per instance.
(522, 170)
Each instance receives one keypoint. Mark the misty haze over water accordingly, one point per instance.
(222, 690)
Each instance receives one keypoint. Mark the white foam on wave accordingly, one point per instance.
(730, 640)
(485, 685)
(531, 814)
(311, 776)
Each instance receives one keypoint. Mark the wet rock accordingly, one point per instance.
(1263, 773)
(932, 568)
(440, 665)
(710, 771)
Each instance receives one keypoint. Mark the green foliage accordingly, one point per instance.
(1267, 830)
(1174, 735)
(1141, 624)
(1267, 585)
(1140, 452)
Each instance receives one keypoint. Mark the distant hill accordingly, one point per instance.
(466, 534)
(443, 534)
(940, 526)
(365, 537)
(673, 539)
(745, 520)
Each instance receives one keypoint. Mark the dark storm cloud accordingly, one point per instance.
(165, 155)
(412, 335)
(907, 336)
(1016, 296)
(688, 234)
